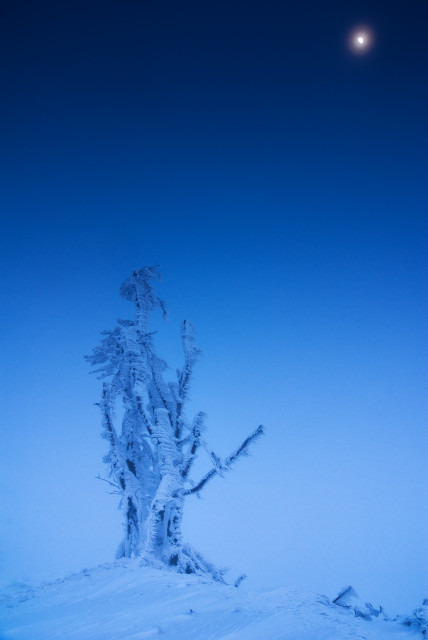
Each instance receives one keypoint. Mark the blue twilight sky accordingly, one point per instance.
(278, 179)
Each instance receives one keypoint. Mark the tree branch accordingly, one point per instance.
(228, 461)
(112, 484)
(191, 353)
(198, 427)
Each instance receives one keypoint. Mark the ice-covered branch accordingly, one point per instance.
(198, 427)
(112, 484)
(242, 449)
(110, 432)
(138, 289)
(191, 353)
(160, 391)
(217, 462)
(228, 461)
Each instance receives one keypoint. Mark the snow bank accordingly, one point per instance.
(124, 601)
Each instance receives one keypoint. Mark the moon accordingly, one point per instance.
(360, 40)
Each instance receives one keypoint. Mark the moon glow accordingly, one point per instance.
(360, 40)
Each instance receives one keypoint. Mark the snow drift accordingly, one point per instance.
(124, 601)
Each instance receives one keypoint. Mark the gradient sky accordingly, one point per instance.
(278, 181)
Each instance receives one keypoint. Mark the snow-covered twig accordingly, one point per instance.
(228, 461)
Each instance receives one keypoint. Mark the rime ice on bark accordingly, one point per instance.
(150, 456)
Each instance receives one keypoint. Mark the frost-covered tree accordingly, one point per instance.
(151, 453)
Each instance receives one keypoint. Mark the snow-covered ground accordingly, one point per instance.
(124, 601)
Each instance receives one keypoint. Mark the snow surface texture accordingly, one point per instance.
(124, 601)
